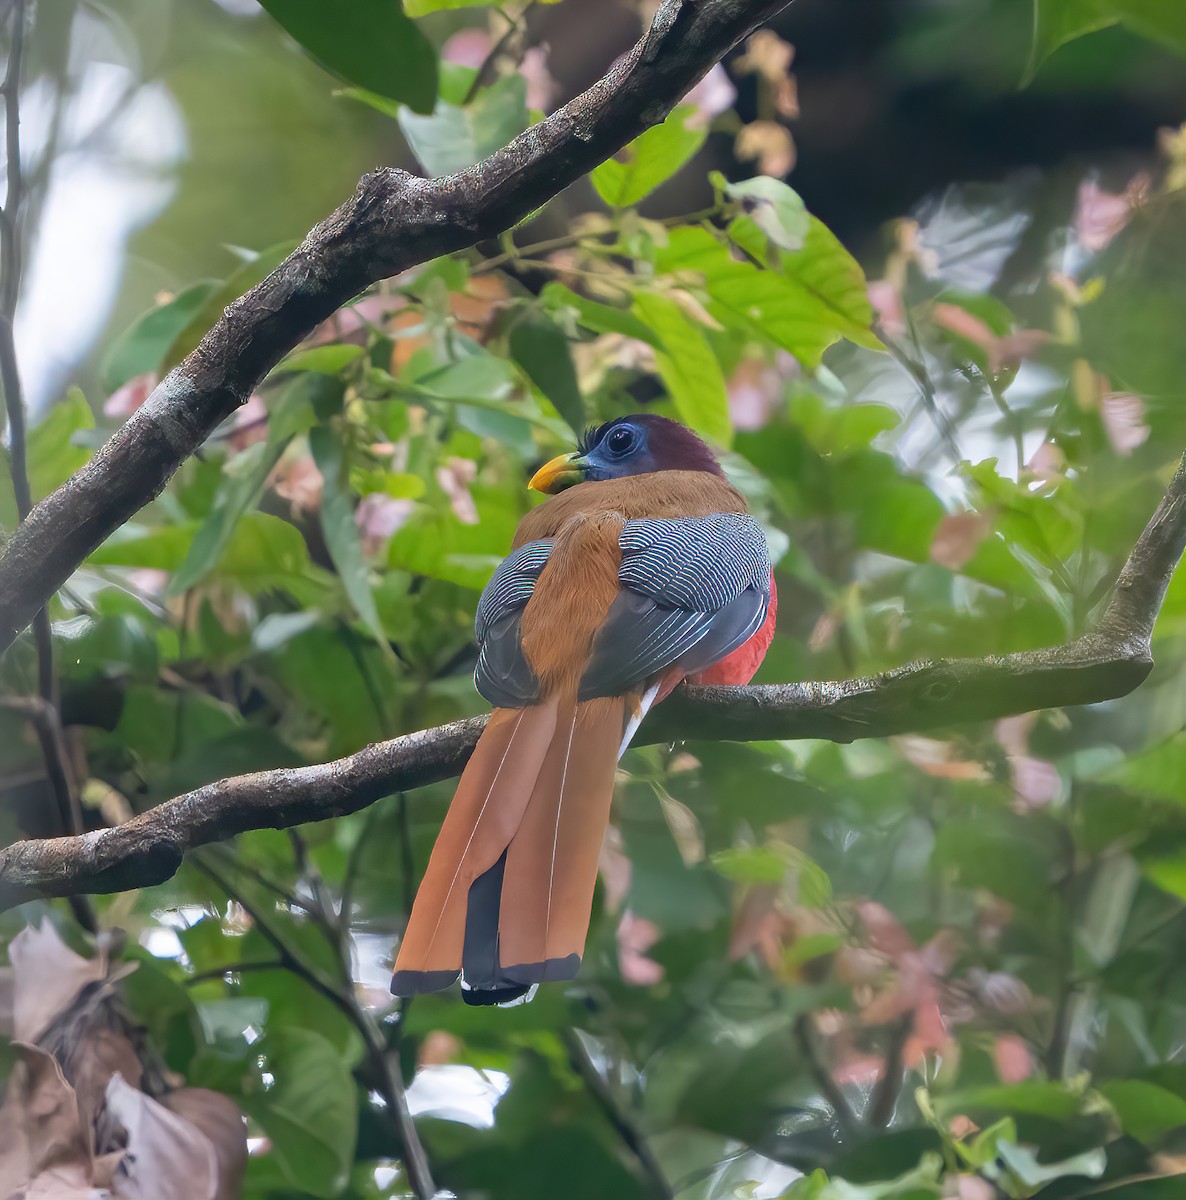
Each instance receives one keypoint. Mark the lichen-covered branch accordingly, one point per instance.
(1109, 661)
(393, 221)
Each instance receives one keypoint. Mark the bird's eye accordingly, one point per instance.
(620, 441)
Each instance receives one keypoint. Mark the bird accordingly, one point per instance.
(642, 569)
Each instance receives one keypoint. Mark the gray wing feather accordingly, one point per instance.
(502, 675)
(693, 590)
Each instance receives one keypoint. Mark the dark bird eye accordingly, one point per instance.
(620, 441)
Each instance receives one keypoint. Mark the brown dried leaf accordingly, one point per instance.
(685, 828)
(164, 1146)
(48, 976)
(219, 1118)
(100, 1054)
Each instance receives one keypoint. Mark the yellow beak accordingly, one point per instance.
(562, 472)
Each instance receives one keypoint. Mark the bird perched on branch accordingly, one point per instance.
(643, 569)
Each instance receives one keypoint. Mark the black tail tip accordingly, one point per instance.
(416, 983)
(504, 997)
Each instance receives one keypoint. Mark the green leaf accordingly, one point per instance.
(804, 303)
(367, 42)
(771, 863)
(341, 532)
(776, 209)
(1057, 22)
(241, 487)
(323, 360)
(598, 317)
(210, 310)
(691, 373)
(143, 345)
(53, 454)
(1159, 772)
(1034, 1097)
(263, 552)
(309, 1111)
(1147, 1112)
(539, 346)
(1023, 1163)
(651, 159)
(453, 138)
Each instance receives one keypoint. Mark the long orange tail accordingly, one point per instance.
(509, 887)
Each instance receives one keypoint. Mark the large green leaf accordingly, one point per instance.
(206, 313)
(1159, 772)
(452, 138)
(1146, 1111)
(806, 301)
(651, 159)
(341, 532)
(1057, 22)
(371, 43)
(539, 346)
(309, 1111)
(143, 345)
(240, 490)
(690, 370)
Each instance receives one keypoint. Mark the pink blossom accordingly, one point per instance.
(1036, 782)
(1101, 215)
(887, 300)
(542, 90)
(711, 96)
(1123, 415)
(299, 482)
(1004, 353)
(455, 475)
(125, 400)
(1012, 1058)
(636, 935)
(958, 538)
(250, 423)
(378, 518)
(1048, 466)
(467, 48)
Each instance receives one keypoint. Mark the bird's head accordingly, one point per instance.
(633, 445)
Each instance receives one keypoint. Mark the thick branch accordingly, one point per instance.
(1108, 662)
(393, 221)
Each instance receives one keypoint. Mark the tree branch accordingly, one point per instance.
(1107, 662)
(393, 221)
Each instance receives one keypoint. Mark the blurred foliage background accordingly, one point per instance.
(941, 966)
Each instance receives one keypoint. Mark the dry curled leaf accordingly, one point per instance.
(48, 975)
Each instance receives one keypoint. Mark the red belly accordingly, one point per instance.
(742, 665)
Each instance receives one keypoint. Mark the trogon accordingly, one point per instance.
(642, 569)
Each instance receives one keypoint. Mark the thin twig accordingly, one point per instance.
(390, 1084)
(631, 1137)
(889, 1086)
(819, 1072)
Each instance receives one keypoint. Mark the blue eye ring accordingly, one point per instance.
(620, 441)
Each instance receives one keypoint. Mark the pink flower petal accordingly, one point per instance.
(636, 935)
(467, 48)
(1012, 1058)
(887, 300)
(542, 90)
(125, 400)
(958, 538)
(455, 475)
(378, 518)
(1099, 215)
(1123, 415)
(713, 95)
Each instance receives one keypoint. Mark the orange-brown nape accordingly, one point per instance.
(613, 588)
